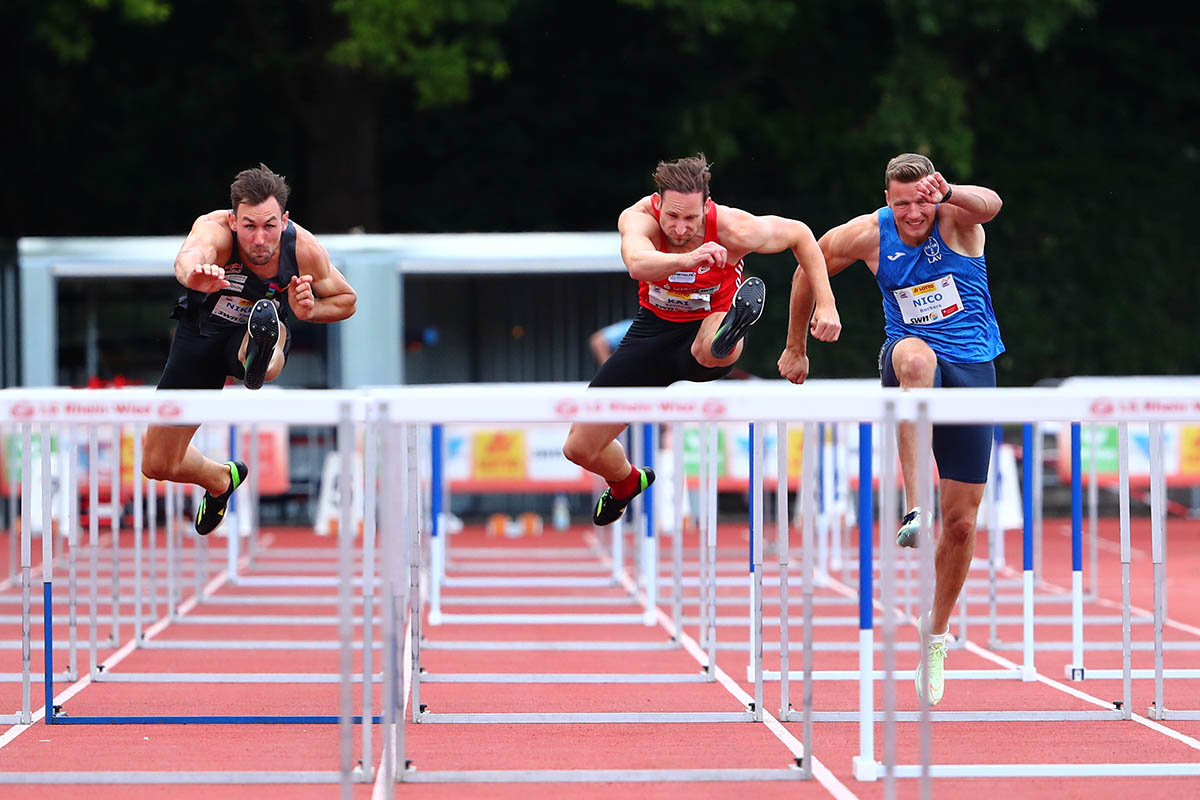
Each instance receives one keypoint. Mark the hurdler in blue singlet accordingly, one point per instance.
(937, 295)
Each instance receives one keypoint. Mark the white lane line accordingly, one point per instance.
(128, 648)
(999, 660)
(822, 773)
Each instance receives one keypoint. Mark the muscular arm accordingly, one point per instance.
(973, 205)
(771, 234)
(642, 258)
(840, 247)
(206, 248)
(967, 205)
(320, 293)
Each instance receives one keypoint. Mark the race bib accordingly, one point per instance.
(676, 300)
(929, 302)
(232, 308)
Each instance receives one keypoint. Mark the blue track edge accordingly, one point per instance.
(63, 719)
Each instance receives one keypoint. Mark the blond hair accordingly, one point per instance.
(907, 168)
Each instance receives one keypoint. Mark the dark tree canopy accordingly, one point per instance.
(130, 116)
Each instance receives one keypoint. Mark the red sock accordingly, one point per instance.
(627, 485)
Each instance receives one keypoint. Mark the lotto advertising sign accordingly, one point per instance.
(487, 459)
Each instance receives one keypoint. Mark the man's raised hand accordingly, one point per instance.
(207, 278)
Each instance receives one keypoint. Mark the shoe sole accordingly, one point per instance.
(264, 333)
(744, 311)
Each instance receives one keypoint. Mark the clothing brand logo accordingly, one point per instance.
(933, 250)
(895, 255)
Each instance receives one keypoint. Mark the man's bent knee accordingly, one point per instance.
(157, 468)
(579, 452)
(914, 365)
(959, 524)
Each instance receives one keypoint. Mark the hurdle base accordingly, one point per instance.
(866, 769)
(1074, 673)
(1028, 674)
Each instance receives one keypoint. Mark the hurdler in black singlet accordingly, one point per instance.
(231, 306)
(211, 326)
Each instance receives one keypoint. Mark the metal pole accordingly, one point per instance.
(437, 541)
(1157, 555)
(813, 496)
(345, 442)
(1028, 670)
(26, 567)
(1075, 669)
(888, 502)
(783, 548)
(864, 762)
(1126, 558)
(370, 484)
(927, 577)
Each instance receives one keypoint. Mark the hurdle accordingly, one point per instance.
(43, 410)
(409, 412)
(1067, 406)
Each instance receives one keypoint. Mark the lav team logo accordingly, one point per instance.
(933, 251)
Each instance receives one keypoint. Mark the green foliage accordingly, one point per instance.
(65, 26)
(437, 44)
(1039, 21)
(927, 115)
(513, 116)
(717, 17)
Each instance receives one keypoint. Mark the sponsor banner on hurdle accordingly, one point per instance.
(177, 407)
(1098, 444)
(514, 458)
(271, 470)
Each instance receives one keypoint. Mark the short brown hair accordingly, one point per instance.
(684, 175)
(254, 186)
(907, 168)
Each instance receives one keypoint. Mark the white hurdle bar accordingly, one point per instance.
(67, 408)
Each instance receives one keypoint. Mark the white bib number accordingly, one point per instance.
(929, 302)
(668, 300)
(234, 309)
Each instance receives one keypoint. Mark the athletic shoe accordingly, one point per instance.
(212, 509)
(744, 311)
(930, 674)
(264, 333)
(910, 527)
(609, 509)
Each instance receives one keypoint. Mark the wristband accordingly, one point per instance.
(949, 191)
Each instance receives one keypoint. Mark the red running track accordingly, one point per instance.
(285, 749)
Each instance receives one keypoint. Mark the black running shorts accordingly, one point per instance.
(201, 358)
(656, 352)
(963, 452)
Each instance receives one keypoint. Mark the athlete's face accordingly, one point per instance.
(914, 217)
(681, 216)
(258, 229)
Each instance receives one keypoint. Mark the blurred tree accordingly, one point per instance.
(130, 116)
(326, 58)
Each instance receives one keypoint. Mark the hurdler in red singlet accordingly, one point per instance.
(691, 294)
(686, 253)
